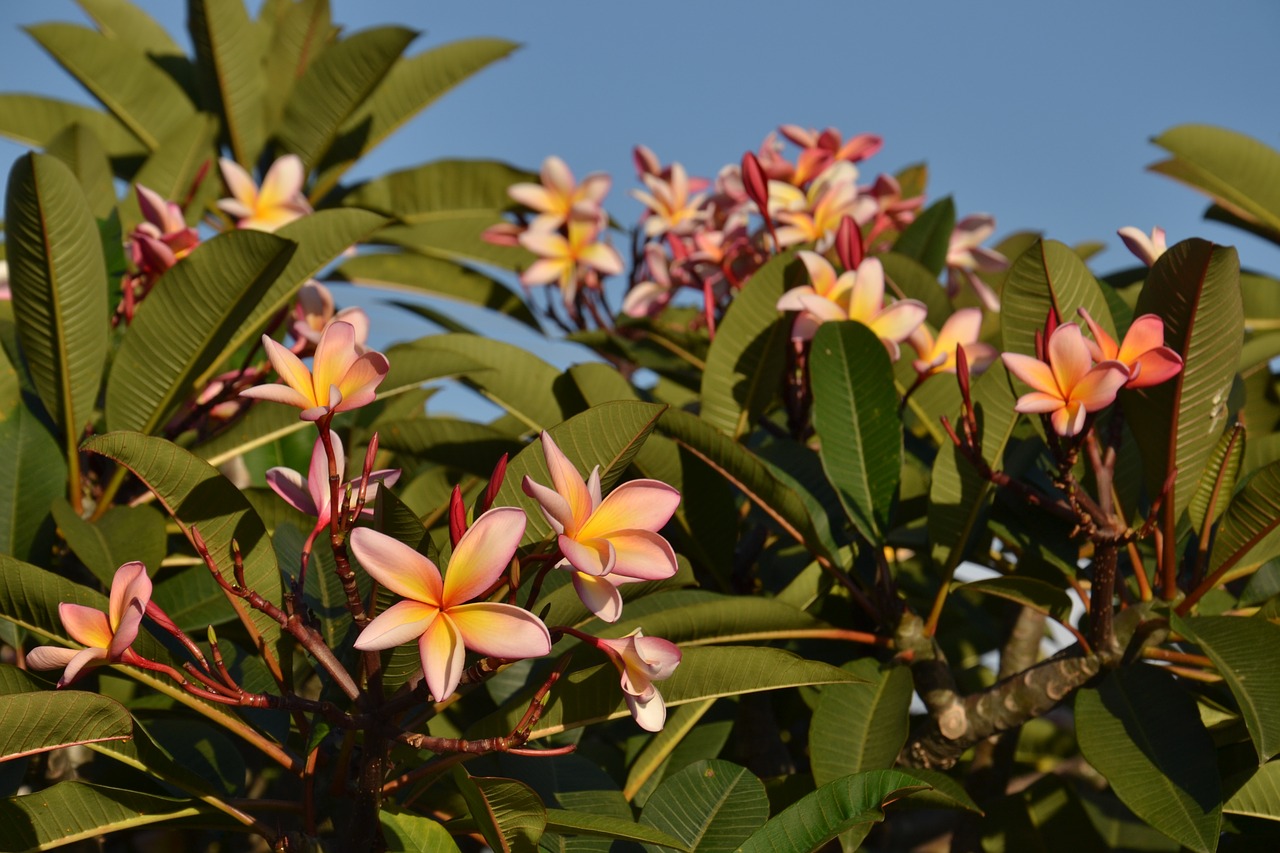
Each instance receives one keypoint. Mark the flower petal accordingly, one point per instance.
(359, 385)
(501, 630)
(318, 471)
(1038, 402)
(1097, 389)
(130, 587)
(85, 625)
(553, 506)
(398, 624)
(1104, 343)
(335, 355)
(239, 182)
(821, 274)
(82, 660)
(1154, 367)
(866, 298)
(397, 566)
(635, 505)
(1145, 333)
(288, 484)
(790, 301)
(282, 183)
(482, 554)
(1032, 371)
(643, 555)
(650, 714)
(566, 480)
(600, 597)
(442, 656)
(1068, 420)
(1069, 358)
(50, 657)
(897, 322)
(279, 394)
(291, 369)
(594, 556)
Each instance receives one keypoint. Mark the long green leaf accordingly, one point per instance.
(569, 822)
(837, 806)
(432, 276)
(1247, 535)
(916, 282)
(458, 238)
(1218, 482)
(33, 473)
(122, 535)
(1240, 173)
(172, 170)
(1237, 646)
(457, 443)
(1039, 595)
(410, 833)
(186, 320)
(35, 121)
(80, 149)
(855, 413)
(121, 19)
(508, 813)
(413, 84)
(1259, 795)
(231, 71)
(1194, 287)
(709, 805)
(748, 356)
(1049, 275)
(300, 31)
(692, 617)
(858, 727)
(334, 86)
(593, 695)
(39, 722)
(196, 495)
(440, 190)
(1144, 735)
(926, 240)
(58, 277)
(136, 90)
(75, 811)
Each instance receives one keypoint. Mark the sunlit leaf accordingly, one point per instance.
(1259, 795)
(80, 149)
(507, 813)
(410, 833)
(1247, 533)
(441, 189)
(1240, 173)
(38, 722)
(1047, 276)
(709, 805)
(927, 238)
(36, 121)
(230, 71)
(858, 727)
(75, 811)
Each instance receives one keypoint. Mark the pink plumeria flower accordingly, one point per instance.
(340, 380)
(278, 202)
(1070, 386)
(106, 637)
(560, 197)
(315, 312)
(814, 216)
(853, 295)
(605, 541)
(961, 329)
(823, 149)
(5, 293)
(650, 296)
(1143, 353)
(163, 237)
(310, 496)
(1144, 248)
(671, 206)
(436, 612)
(643, 660)
(565, 260)
(966, 257)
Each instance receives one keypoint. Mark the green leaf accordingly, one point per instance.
(1144, 735)
(458, 238)
(189, 316)
(747, 358)
(1041, 596)
(300, 31)
(410, 833)
(747, 472)
(231, 71)
(916, 282)
(1194, 287)
(592, 695)
(1237, 647)
(122, 535)
(855, 413)
(136, 90)
(196, 495)
(320, 238)
(35, 122)
(432, 276)
(508, 813)
(1218, 482)
(568, 822)
(58, 276)
(38, 722)
(692, 617)
(122, 20)
(959, 499)
(440, 190)
(79, 148)
(75, 811)
(608, 435)
(1246, 536)
(172, 170)
(657, 753)
(711, 806)
(858, 727)
(927, 238)
(336, 84)
(412, 85)
(466, 445)
(1259, 795)
(33, 473)
(1240, 173)
(839, 805)
(1048, 275)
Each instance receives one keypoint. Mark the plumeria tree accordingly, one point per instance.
(850, 526)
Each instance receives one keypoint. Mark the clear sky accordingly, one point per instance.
(1039, 113)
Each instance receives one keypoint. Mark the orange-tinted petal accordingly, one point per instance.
(642, 554)
(501, 630)
(1032, 371)
(85, 625)
(482, 554)
(592, 556)
(399, 624)
(1097, 389)
(566, 480)
(635, 505)
(1155, 366)
(335, 355)
(397, 566)
(442, 655)
(600, 597)
(291, 370)
(1069, 358)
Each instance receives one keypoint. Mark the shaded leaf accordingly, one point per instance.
(1246, 536)
(410, 833)
(1218, 482)
(928, 237)
(33, 473)
(38, 722)
(916, 282)
(859, 727)
(1041, 596)
(1259, 795)
(507, 813)
(709, 805)
(172, 170)
(122, 535)
(74, 811)
(568, 822)
(79, 148)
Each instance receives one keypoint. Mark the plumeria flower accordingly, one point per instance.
(278, 202)
(310, 496)
(671, 207)
(315, 312)
(1070, 386)
(560, 197)
(854, 295)
(939, 356)
(966, 257)
(1143, 353)
(643, 660)
(163, 237)
(650, 296)
(5, 293)
(1144, 248)
(106, 637)
(340, 380)
(823, 149)
(814, 216)
(605, 541)
(564, 260)
(436, 612)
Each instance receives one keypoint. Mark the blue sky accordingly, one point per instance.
(1037, 113)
